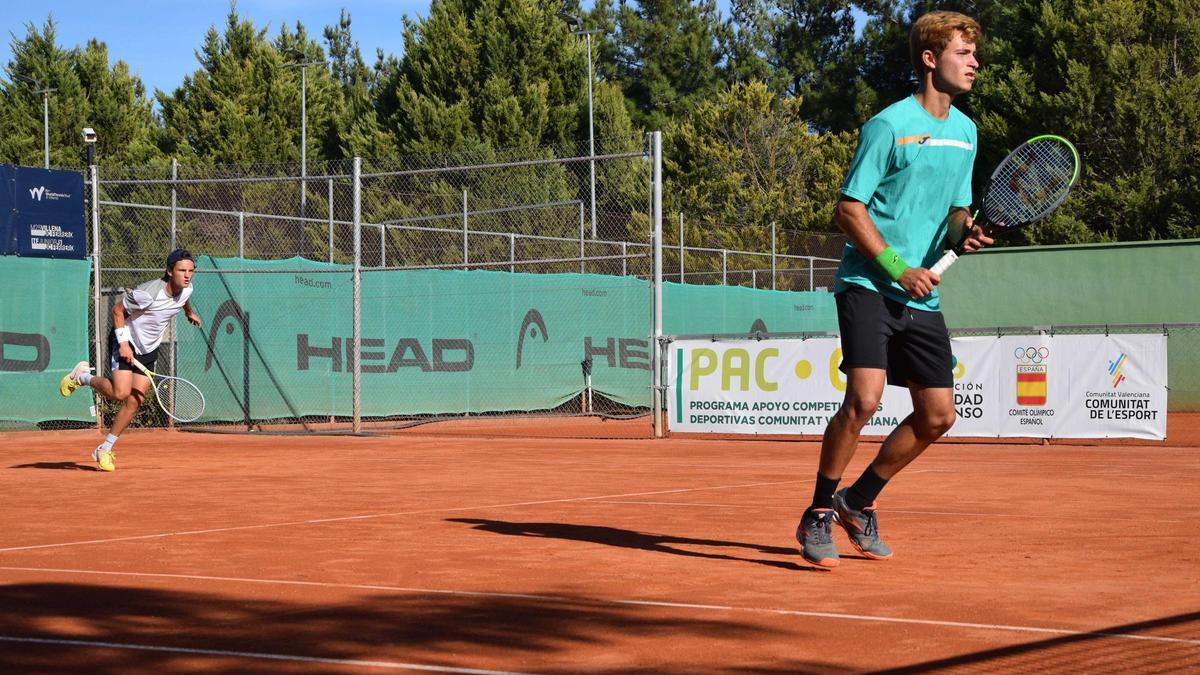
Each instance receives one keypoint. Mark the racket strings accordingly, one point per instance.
(1030, 183)
(180, 398)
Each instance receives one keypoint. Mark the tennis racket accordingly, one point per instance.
(1030, 183)
(179, 398)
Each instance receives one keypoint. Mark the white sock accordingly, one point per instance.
(109, 442)
(86, 379)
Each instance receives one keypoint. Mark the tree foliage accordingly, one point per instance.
(1122, 79)
(747, 160)
(668, 56)
(486, 74)
(759, 108)
(88, 91)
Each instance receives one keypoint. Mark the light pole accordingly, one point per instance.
(303, 66)
(45, 92)
(576, 23)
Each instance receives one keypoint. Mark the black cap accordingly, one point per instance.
(177, 255)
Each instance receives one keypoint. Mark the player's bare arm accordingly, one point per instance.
(192, 317)
(124, 347)
(852, 218)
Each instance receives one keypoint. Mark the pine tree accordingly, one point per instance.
(747, 160)
(1120, 79)
(356, 128)
(485, 74)
(668, 55)
(89, 92)
(241, 106)
(38, 57)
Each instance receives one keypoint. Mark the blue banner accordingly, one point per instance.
(42, 213)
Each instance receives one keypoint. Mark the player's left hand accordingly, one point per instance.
(194, 319)
(976, 238)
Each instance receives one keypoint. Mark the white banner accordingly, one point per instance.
(1040, 386)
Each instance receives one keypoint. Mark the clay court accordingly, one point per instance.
(506, 552)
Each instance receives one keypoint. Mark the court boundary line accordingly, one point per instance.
(370, 516)
(394, 665)
(610, 499)
(541, 597)
(907, 512)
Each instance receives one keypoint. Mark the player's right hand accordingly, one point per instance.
(918, 282)
(125, 352)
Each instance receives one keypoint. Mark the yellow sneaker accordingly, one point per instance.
(70, 381)
(105, 459)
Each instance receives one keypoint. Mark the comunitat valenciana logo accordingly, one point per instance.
(42, 192)
(1114, 369)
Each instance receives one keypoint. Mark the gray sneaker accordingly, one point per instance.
(816, 537)
(861, 527)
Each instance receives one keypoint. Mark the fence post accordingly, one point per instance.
(773, 255)
(95, 176)
(681, 247)
(811, 280)
(382, 245)
(581, 249)
(466, 254)
(174, 337)
(624, 258)
(174, 202)
(656, 346)
(330, 220)
(356, 380)
(724, 266)
(512, 252)
(241, 234)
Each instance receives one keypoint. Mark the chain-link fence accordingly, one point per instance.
(463, 289)
(384, 294)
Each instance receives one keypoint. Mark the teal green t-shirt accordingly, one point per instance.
(910, 168)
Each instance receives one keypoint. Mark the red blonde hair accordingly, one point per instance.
(935, 30)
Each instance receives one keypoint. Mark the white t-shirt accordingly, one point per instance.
(149, 308)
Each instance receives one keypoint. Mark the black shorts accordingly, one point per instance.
(878, 332)
(115, 362)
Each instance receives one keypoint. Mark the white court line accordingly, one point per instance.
(250, 655)
(910, 512)
(161, 535)
(863, 618)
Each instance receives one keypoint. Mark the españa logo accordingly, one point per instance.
(1114, 369)
(1032, 366)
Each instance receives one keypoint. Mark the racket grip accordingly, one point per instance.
(142, 368)
(939, 268)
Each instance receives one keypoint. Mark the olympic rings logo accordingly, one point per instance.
(1033, 355)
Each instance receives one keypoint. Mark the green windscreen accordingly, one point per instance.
(44, 310)
(444, 342)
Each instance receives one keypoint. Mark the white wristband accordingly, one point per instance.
(123, 334)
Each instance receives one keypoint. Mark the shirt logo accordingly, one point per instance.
(926, 139)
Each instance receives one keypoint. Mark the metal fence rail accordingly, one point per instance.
(530, 212)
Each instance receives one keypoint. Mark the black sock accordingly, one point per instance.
(823, 492)
(864, 491)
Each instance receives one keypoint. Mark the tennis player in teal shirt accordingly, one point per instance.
(908, 185)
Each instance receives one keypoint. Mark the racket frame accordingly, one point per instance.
(156, 378)
(952, 255)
